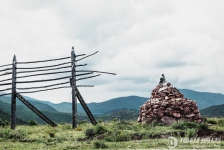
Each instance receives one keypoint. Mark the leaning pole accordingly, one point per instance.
(13, 96)
(73, 84)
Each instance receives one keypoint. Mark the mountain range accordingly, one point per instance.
(106, 110)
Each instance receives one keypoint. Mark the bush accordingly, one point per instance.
(99, 129)
(51, 134)
(89, 132)
(99, 144)
(191, 133)
(203, 126)
(32, 123)
(220, 122)
(185, 125)
(17, 134)
(84, 122)
(211, 121)
(99, 120)
(5, 133)
(66, 126)
(122, 137)
(109, 139)
(3, 123)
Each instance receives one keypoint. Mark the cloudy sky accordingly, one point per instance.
(138, 40)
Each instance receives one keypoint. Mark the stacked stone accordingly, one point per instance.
(168, 105)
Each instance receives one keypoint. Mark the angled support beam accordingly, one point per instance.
(82, 102)
(73, 84)
(13, 95)
(35, 110)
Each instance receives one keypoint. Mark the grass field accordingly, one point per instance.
(111, 135)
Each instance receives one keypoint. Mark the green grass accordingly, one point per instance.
(109, 135)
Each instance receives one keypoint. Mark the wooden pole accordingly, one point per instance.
(13, 96)
(73, 84)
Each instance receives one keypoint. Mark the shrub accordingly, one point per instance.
(203, 126)
(185, 125)
(109, 139)
(66, 126)
(122, 125)
(51, 134)
(220, 122)
(99, 129)
(99, 121)
(6, 123)
(3, 123)
(191, 133)
(5, 133)
(17, 134)
(89, 132)
(84, 122)
(99, 144)
(211, 121)
(122, 137)
(32, 123)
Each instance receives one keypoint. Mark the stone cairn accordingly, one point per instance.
(168, 105)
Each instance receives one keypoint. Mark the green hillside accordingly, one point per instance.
(129, 102)
(204, 99)
(213, 111)
(38, 104)
(5, 116)
(120, 114)
(26, 114)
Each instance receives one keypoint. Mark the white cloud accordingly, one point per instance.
(138, 40)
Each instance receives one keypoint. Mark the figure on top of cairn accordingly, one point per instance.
(162, 80)
(168, 105)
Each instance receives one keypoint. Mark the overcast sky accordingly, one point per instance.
(138, 40)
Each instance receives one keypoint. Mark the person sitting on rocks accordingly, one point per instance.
(164, 79)
(161, 81)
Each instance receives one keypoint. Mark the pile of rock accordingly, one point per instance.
(168, 105)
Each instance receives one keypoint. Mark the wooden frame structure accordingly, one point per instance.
(75, 92)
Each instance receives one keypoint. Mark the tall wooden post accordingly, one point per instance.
(13, 96)
(73, 84)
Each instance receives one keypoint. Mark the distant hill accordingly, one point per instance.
(213, 111)
(129, 102)
(120, 114)
(38, 104)
(5, 116)
(204, 99)
(62, 112)
(24, 113)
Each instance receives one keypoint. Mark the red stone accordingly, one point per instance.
(177, 115)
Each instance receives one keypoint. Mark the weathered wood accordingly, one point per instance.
(6, 65)
(6, 80)
(82, 102)
(45, 66)
(13, 95)
(42, 60)
(73, 84)
(44, 80)
(35, 110)
(46, 89)
(39, 87)
(87, 56)
(43, 69)
(88, 77)
(5, 69)
(39, 74)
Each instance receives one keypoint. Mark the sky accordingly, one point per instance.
(137, 39)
